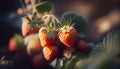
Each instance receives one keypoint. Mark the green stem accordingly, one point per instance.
(33, 2)
(39, 1)
(23, 5)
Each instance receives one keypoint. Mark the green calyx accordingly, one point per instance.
(66, 24)
(80, 22)
(33, 21)
(50, 23)
(43, 7)
(50, 29)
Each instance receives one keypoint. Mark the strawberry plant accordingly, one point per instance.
(61, 42)
(5, 64)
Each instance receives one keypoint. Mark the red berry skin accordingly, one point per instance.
(68, 38)
(82, 46)
(12, 45)
(50, 52)
(27, 30)
(39, 61)
(44, 39)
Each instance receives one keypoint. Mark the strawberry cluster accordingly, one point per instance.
(45, 37)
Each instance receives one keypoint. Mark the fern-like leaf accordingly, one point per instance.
(103, 51)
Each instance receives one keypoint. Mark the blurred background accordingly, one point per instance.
(102, 16)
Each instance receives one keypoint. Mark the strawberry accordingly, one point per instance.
(50, 52)
(34, 47)
(82, 46)
(67, 34)
(30, 25)
(15, 43)
(39, 61)
(12, 45)
(47, 32)
(46, 38)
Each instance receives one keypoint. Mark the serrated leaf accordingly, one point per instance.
(103, 51)
(110, 45)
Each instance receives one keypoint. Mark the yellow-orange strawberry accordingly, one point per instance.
(30, 25)
(67, 34)
(34, 47)
(50, 52)
(46, 38)
(47, 32)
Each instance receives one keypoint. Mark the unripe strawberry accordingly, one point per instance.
(34, 47)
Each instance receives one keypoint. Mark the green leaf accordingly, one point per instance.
(43, 7)
(103, 51)
(70, 64)
(109, 46)
(58, 65)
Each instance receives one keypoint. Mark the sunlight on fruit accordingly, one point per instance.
(20, 11)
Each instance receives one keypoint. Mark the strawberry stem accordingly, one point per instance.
(23, 5)
(33, 2)
(65, 25)
(50, 22)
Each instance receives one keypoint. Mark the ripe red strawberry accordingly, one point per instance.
(50, 52)
(39, 61)
(15, 43)
(67, 34)
(34, 47)
(82, 46)
(26, 30)
(47, 38)
(47, 32)
(30, 25)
